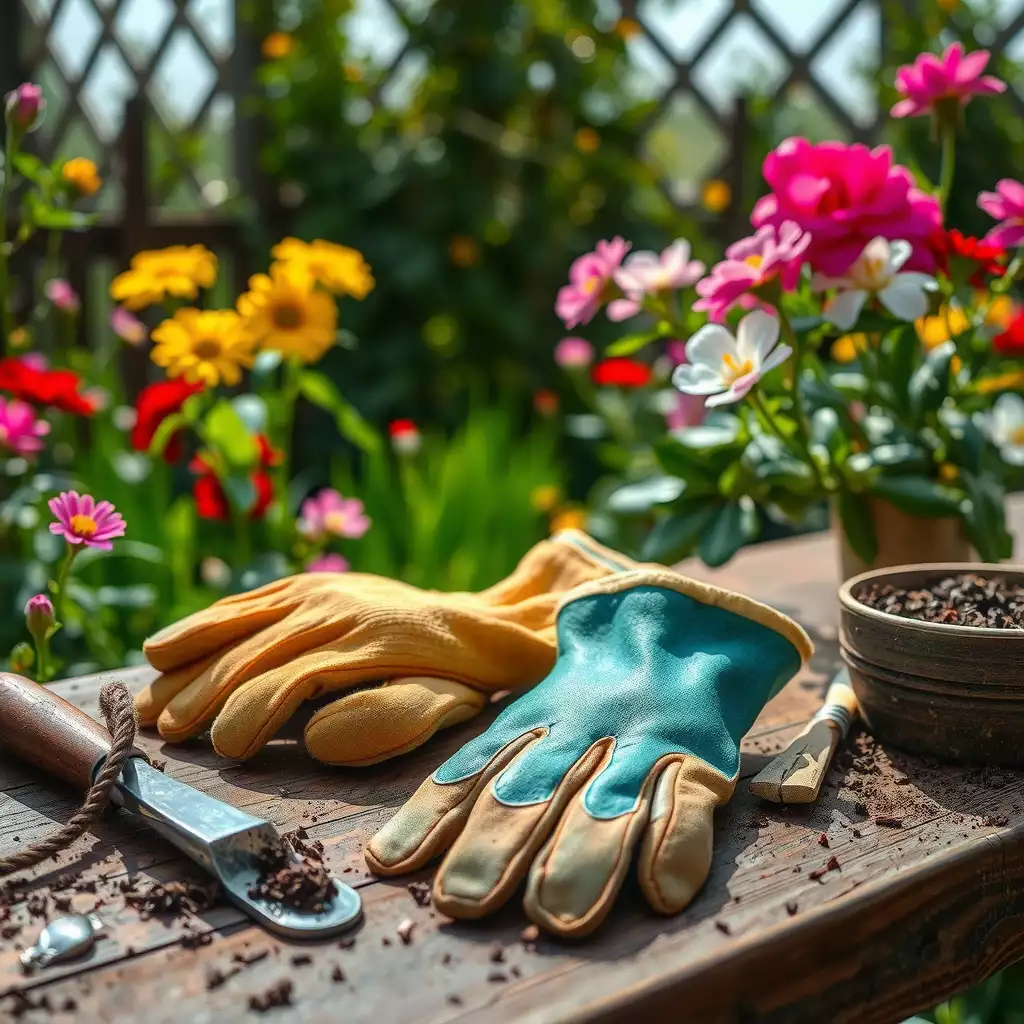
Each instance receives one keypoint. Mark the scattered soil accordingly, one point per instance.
(170, 899)
(304, 885)
(964, 600)
(420, 892)
(279, 994)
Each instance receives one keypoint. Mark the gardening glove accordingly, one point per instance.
(633, 739)
(246, 663)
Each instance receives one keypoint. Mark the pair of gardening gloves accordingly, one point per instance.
(647, 683)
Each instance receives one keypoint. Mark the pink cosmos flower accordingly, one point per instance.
(573, 352)
(81, 520)
(328, 563)
(589, 277)
(329, 513)
(128, 327)
(62, 295)
(845, 196)
(752, 262)
(1006, 204)
(25, 105)
(20, 431)
(647, 273)
(39, 615)
(930, 80)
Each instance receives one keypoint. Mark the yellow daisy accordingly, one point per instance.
(286, 312)
(203, 346)
(947, 323)
(178, 271)
(848, 347)
(82, 174)
(336, 267)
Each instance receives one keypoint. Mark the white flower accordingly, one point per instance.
(1005, 427)
(875, 273)
(725, 367)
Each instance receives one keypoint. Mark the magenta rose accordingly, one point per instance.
(845, 196)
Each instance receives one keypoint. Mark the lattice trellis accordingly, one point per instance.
(92, 56)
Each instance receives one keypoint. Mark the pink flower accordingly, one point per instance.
(1006, 204)
(330, 513)
(128, 327)
(751, 263)
(573, 352)
(39, 615)
(930, 80)
(25, 105)
(845, 196)
(676, 351)
(688, 411)
(328, 563)
(589, 277)
(81, 520)
(647, 273)
(62, 295)
(36, 360)
(20, 431)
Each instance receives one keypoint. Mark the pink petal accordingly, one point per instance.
(951, 58)
(622, 309)
(1009, 236)
(989, 86)
(970, 67)
(933, 73)
(907, 108)
(1013, 192)
(992, 203)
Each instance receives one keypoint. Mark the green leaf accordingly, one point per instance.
(226, 431)
(858, 526)
(632, 343)
(169, 426)
(674, 538)
(900, 455)
(734, 525)
(31, 167)
(241, 491)
(635, 499)
(985, 516)
(929, 384)
(919, 496)
(904, 353)
(321, 391)
(51, 219)
(965, 442)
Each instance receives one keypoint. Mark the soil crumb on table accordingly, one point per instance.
(304, 885)
(992, 602)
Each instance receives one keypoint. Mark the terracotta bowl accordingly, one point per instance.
(955, 692)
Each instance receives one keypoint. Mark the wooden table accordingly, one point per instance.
(917, 908)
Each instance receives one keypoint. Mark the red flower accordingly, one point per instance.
(979, 257)
(620, 372)
(546, 402)
(405, 437)
(1011, 341)
(55, 388)
(212, 502)
(396, 428)
(154, 405)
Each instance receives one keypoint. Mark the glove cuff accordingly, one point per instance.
(727, 600)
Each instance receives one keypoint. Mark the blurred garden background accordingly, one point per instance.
(469, 152)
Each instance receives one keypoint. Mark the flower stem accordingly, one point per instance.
(291, 370)
(799, 412)
(766, 415)
(948, 164)
(42, 645)
(61, 587)
(6, 314)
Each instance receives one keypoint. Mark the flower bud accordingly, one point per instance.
(25, 106)
(22, 658)
(405, 437)
(39, 615)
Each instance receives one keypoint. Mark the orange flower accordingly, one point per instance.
(278, 45)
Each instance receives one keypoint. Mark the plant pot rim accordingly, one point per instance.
(855, 607)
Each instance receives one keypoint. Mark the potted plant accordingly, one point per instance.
(855, 352)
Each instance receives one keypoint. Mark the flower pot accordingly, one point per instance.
(904, 539)
(951, 691)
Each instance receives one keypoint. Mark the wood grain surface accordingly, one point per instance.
(903, 884)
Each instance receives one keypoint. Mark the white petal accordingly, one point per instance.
(756, 335)
(710, 345)
(899, 252)
(676, 256)
(878, 249)
(777, 358)
(844, 308)
(691, 381)
(1013, 453)
(1008, 412)
(905, 299)
(725, 398)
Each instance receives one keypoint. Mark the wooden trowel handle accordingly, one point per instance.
(48, 732)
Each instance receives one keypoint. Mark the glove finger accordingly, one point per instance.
(428, 822)
(675, 857)
(577, 875)
(150, 702)
(495, 849)
(370, 726)
(221, 625)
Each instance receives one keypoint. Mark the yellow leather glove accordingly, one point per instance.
(246, 663)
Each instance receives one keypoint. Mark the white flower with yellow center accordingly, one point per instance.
(1005, 427)
(876, 274)
(725, 367)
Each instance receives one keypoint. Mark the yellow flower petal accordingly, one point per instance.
(211, 346)
(338, 268)
(83, 175)
(178, 271)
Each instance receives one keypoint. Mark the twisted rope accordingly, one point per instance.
(118, 709)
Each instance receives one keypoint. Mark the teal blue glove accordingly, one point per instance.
(634, 735)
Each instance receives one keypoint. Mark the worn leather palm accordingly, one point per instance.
(246, 663)
(633, 739)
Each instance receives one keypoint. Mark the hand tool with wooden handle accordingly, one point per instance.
(48, 732)
(795, 775)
